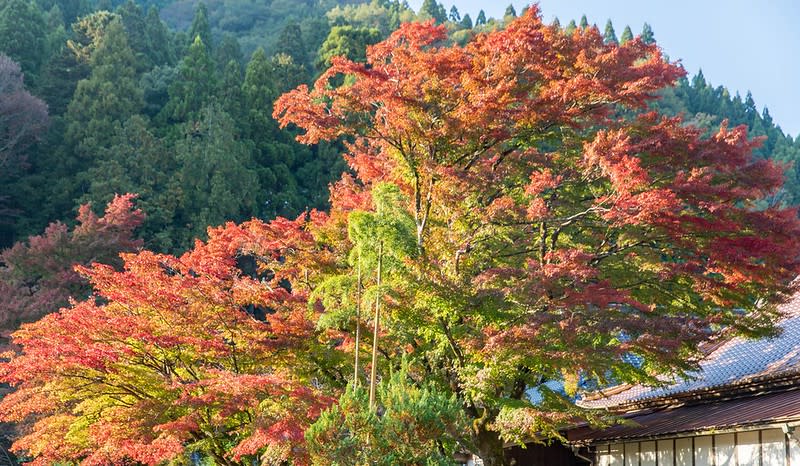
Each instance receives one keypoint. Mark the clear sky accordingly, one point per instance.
(740, 44)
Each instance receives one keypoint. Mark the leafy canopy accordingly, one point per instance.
(558, 226)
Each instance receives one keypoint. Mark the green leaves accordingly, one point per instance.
(390, 224)
(415, 424)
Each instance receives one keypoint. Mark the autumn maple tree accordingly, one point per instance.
(206, 353)
(558, 230)
(37, 276)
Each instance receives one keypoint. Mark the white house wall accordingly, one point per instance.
(767, 447)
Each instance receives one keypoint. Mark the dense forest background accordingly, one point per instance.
(172, 100)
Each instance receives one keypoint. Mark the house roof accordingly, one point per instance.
(738, 361)
(718, 416)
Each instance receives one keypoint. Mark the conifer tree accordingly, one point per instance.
(230, 89)
(159, 40)
(107, 98)
(455, 16)
(584, 22)
(466, 22)
(433, 9)
(288, 72)
(511, 12)
(56, 33)
(217, 175)
(571, 27)
(201, 27)
(481, 19)
(609, 36)
(23, 35)
(627, 35)
(89, 32)
(136, 30)
(143, 163)
(73, 9)
(227, 50)
(291, 43)
(195, 84)
(647, 34)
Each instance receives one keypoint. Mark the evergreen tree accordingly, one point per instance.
(230, 90)
(136, 29)
(627, 35)
(259, 92)
(227, 50)
(71, 9)
(195, 84)
(59, 77)
(750, 108)
(56, 33)
(291, 43)
(201, 27)
(288, 73)
(155, 86)
(584, 22)
(571, 28)
(107, 98)
(422, 416)
(609, 36)
(159, 49)
(556, 23)
(481, 19)
(511, 12)
(466, 22)
(217, 175)
(23, 36)
(455, 16)
(89, 32)
(647, 34)
(142, 163)
(433, 9)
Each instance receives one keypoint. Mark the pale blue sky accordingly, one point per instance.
(740, 44)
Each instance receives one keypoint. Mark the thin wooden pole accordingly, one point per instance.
(358, 322)
(374, 373)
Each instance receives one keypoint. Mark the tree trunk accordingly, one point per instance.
(490, 447)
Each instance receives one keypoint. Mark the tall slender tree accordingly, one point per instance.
(107, 98)
(481, 19)
(23, 35)
(201, 27)
(158, 39)
(454, 15)
(627, 35)
(609, 36)
(647, 34)
(195, 85)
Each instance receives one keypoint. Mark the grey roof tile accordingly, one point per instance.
(735, 361)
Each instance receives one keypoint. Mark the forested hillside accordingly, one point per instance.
(172, 101)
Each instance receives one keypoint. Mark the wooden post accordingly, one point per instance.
(373, 374)
(358, 322)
